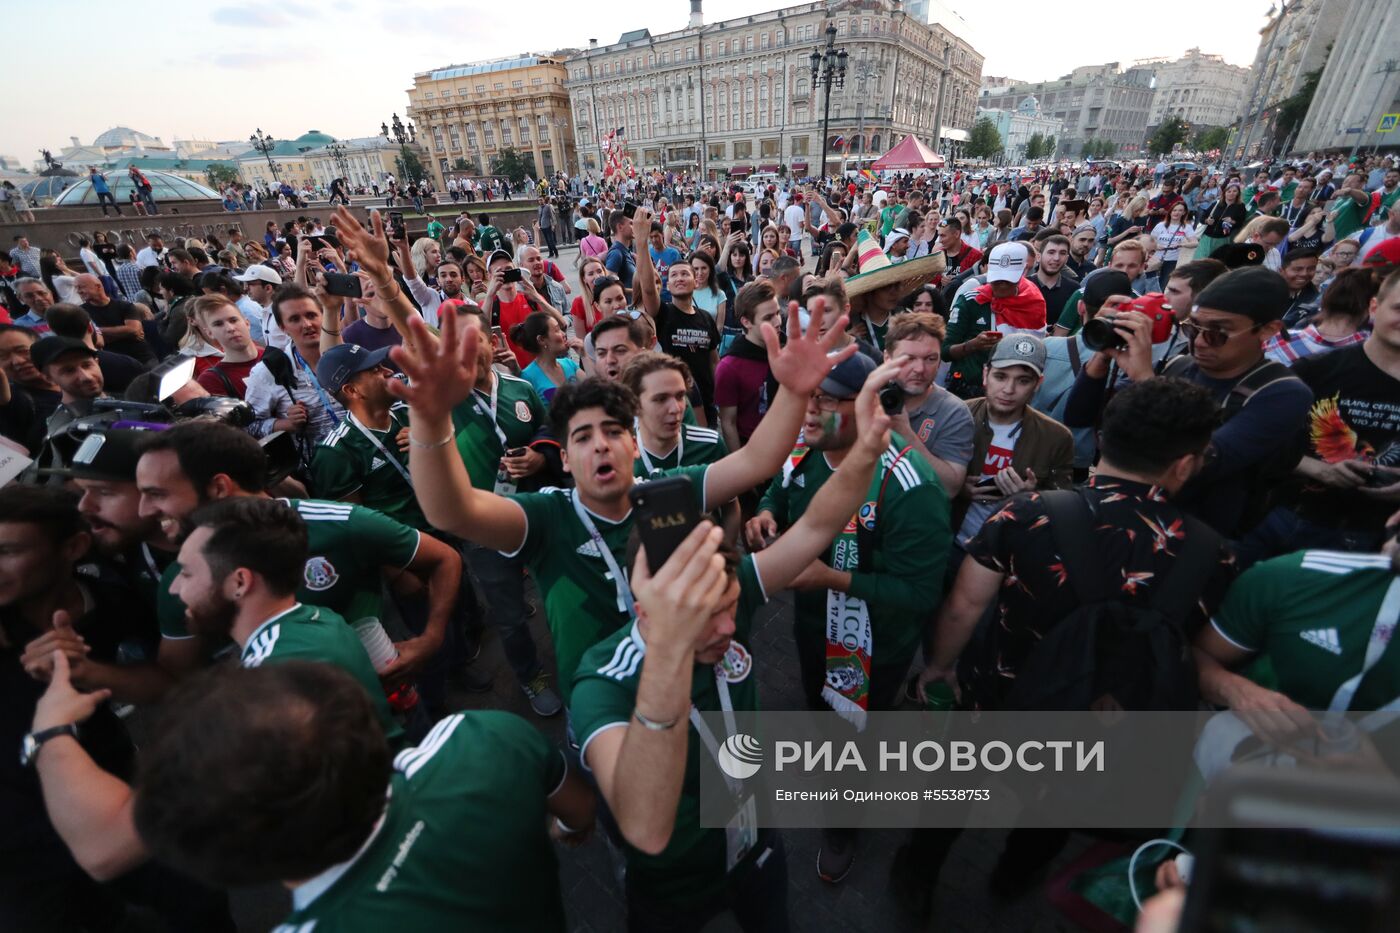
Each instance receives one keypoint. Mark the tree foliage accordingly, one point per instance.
(1212, 137)
(220, 176)
(1170, 131)
(460, 165)
(1050, 146)
(984, 141)
(1097, 148)
(410, 166)
(1035, 147)
(1293, 109)
(513, 164)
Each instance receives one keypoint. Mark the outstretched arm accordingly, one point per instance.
(799, 368)
(441, 375)
(370, 248)
(840, 496)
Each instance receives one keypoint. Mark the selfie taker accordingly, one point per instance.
(638, 695)
(1006, 303)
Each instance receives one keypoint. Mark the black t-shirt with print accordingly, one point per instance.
(690, 338)
(1355, 415)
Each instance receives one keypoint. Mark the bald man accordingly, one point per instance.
(119, 322)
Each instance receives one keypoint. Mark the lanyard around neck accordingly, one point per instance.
(393, 461)
(491, 411)
(316, 384)
(707, 736)
(625, 601)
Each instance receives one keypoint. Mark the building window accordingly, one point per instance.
(481, 89)
(537, 82)
(490, 137)
(505, 136)
(455, 137)
(471, 136)
(768, 148)
(763, 41)
(799, 145)
(716, 152)
(743, 149)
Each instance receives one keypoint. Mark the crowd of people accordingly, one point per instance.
(282, 490)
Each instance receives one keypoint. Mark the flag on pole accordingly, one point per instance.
(838, 142)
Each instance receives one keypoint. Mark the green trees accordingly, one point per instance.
(1212, 137)
(984, 142)
(1097, 148)
(1170, 131)
(1035, 147)
(220, 175)
(513, 164)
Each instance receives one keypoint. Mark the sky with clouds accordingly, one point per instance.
(218, 70)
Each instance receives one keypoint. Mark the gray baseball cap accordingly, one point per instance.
(1019, 350)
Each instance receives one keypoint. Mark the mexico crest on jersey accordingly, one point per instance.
(319, 574)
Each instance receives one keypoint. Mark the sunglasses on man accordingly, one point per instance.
(1212, 336)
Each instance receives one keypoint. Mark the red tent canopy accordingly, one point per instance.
(910, 153)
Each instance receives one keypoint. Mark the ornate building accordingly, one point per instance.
(1093, 102)
(1018, 126)
(1204, 90)
(467, 114)
(736, 97)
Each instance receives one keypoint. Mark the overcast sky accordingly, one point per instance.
(218, 70)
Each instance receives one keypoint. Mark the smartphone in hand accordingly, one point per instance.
(343, 285)
(397, 229)
(666, 514)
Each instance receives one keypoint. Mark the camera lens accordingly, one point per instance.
(1100, 334)
(892, 398)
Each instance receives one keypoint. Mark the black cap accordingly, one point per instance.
(848, 377)
(1103, 284)
(1239, 255)
(1257, 293)
(105, 455)
(48, 349)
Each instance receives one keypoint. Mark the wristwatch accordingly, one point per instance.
(29, 746)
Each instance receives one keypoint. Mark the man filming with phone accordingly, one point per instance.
(638, 694)
(1006, 303)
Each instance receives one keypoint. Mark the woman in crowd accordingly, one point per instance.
(1173, 235)
(735, 266)
(926, 298)
(766, 258)
(541, 334)
(1223, 221)
(708, 295)
(58, 277)
(474, 270)
(583, 311)
(427, 253)
(592, 245)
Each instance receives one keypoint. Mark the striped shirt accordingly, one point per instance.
(129, 278)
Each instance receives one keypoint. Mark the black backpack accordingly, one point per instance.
(1136, 655)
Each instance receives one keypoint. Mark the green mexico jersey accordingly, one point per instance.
(311, 633)
(903, 582)
(348, 463)
(582, 601)
(1310, 615)
(968, 318)
(348, 546)
(605, 692)
(695, 446)
(1069, 314)
(519, 414)
(463, 844)
(1347, 217)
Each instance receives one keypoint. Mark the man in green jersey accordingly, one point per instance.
(879, 582)
(1350, 206)
(688, 647)
(240, 567)
(301, 789)
(574, 540)
(350, 546)
(361, 460)
(664, 441)
(1322, 620)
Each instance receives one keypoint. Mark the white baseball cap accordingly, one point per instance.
(260, 273)
(1007, 262)
(897, 234)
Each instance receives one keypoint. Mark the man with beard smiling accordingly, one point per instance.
(240, 567)
(350, 547)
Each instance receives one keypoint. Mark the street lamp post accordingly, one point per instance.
(337, 153)
(265, 144)
(403, 135)
(828, 68)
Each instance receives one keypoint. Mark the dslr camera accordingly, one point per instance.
(1100, 333)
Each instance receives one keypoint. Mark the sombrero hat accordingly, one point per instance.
(876, 270)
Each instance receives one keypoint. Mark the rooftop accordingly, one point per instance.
(488, 67)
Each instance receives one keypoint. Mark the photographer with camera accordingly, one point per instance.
(1262, 402)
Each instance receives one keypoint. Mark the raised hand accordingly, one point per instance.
(441, 373)
(802, 365)
(367, 247)
(39, 654)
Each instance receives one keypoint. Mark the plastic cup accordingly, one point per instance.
(378, 645)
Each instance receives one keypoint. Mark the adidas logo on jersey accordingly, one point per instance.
(1324, 638)
(588, 549)
(376, 463)
(800, 480)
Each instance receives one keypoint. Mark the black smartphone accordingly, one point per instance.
(498, 336)
(397, 230)
(343, 285)
(666, 513)
(1382, 476)
(628, 209)
(516, 452)
(512, 275)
